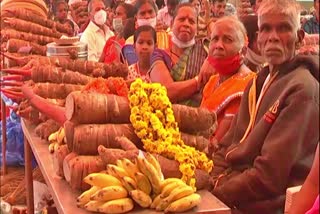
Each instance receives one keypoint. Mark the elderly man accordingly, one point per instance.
(271, 142)
(97, 32)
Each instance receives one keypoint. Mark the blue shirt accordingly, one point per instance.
(311, 26)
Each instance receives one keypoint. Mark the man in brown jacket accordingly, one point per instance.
(272, 140)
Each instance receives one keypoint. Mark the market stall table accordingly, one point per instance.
(65, 198)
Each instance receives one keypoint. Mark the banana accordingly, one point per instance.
(170, 187)
(129, 183)
(153, 176)
(93, 206)
(110, 171)
(129, 167)
(109, 193)
(120, 172)
(184, 204)
(141, 165)
(143, 183)
(178, 193)
(119, 164)
(85, 196)
(51, 147)
(53, 137)
(60, 136)
(155, 163)
(168, 181)
(162, 205)
(101, 180)
(141, 198)
(117, 206)
(155, 202)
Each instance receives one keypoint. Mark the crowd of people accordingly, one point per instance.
(240, 61)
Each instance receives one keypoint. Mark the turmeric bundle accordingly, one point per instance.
(7, 34)
(55, 91)
(13, 45)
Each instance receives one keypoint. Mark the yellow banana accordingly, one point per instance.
(141, 198)
(109, 193)
(51, 147)
(184, 204)
(53, 137)
(153, 176)
(119, 164)
(170, 187)
(129, 183)
(85, 196)
(178, 193)
(101, 180)
(162, 205)
(122, 205)
(170, 180)
(129, 167)
(155, 202)
(60, 136)
(110, 171)
(141, 165)
(93, 206)
(118, 171)
(155, 163)
(143, 183)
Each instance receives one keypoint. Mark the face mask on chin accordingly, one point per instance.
(180, 43)
(100, 17)
(226, 66)
(151, 22)
(117, 24)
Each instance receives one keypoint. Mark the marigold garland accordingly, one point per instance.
(153, 120)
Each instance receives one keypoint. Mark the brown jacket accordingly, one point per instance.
(253, 175)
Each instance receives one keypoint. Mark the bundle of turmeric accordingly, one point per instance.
(37, 7)
(13, 45)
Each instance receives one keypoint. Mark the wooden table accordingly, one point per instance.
(65, 198)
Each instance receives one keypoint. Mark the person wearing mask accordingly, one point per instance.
(222, 94)
(311, 26)
(271, 141)
(112, 48)
(178, 66)
(165, 14)
(97, 32)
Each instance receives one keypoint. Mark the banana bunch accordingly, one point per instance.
(175, 196)
(56, 139)
(107, 195)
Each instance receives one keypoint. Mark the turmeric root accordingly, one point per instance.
(110, 156)
(43, 130)
(55, 91)
(58, 157)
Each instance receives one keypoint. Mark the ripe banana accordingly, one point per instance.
(141, 165)
(53, 137)
(129, 167)
(141, 198)
(110, 171)
(179, 192)
(162, 205)
(143, 183)
(170, 187)
(120, 172)
(168, 181)
(93, 206)
(101, 180)
(117, 206)
(60, 136)
(155, 163)
(155, 202)
(109, 193)
(85, 196)
(153, 176)
(53, 147)
(119, 164)
(184, 204)
(129, 183)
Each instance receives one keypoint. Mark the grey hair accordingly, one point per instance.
(289, 8)
(90, 4)
(237, 25)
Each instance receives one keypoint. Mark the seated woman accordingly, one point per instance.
(111, 50)
(147, 15)
(178, 66)
(223, 91)
(145, 40)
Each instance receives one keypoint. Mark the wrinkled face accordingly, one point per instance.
(146, 11)
(225, 41)
(121, 13)
(144, 45)
(277, 38)
(96, 6)
(184, 24)
(218, 8)
(62, 11)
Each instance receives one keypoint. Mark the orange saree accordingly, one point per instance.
(225, 98)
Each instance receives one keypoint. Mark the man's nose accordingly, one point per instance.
(273, 37)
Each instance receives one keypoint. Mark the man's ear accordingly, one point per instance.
(301, 35)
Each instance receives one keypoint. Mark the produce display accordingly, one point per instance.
(141, 181)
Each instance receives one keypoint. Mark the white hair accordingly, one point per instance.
(289, 8)
(236, 25)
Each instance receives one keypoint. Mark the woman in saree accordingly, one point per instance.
(223, 91)
(178, 66)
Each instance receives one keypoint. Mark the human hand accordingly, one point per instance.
(206, 72)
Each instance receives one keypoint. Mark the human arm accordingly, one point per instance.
(177, 91)
(309, 190)
(271, 169)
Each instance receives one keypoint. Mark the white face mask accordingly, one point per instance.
(117, 24)
(151, 22)
(100, 17)
(181, 44)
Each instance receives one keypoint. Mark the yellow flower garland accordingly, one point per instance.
(153, 120)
